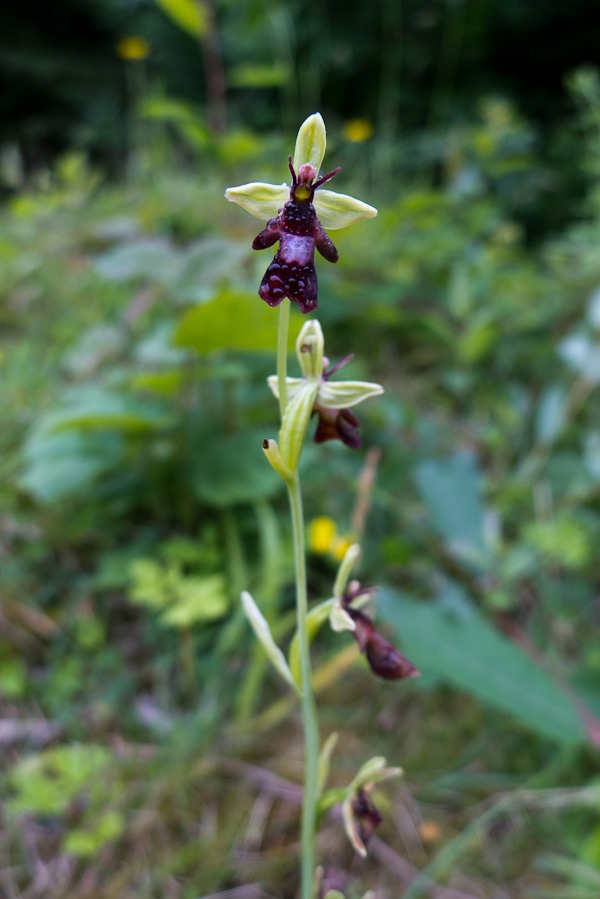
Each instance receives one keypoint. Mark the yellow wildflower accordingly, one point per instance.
(321, 533)
(323, 538)
(131, 47)
(357, 130)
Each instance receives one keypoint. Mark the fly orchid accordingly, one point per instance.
(315, 393)
(346, 615)
(298, 216)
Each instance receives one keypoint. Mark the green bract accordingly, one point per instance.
(334, 210)
(263, 633)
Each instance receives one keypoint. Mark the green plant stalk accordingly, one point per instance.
(308, 706)
(309, 709)
(282, 348)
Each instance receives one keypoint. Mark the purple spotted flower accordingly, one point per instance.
(329, 400)
(360, 815)
(384, 659)
(298, 216)
(292, 273)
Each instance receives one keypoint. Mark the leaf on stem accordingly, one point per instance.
(262, 630)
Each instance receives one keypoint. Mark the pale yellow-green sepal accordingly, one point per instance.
(293, 386)
(310, 345)
(374, 771)
(259, 198)
(311, 143)
(337, 211)
(340, 619)
(344, 394)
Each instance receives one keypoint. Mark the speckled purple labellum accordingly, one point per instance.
(292, 273)
(337, 424)
(384, 659)
(366, 815)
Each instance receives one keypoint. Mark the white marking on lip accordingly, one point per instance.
(297, 249)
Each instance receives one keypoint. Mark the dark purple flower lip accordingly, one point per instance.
(292, 272)
(384, 659)
(366, 815)
(337, 424)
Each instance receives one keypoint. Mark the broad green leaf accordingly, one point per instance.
(239, 322)
(168, 109)
(563, 538)
(197, 599)
(190, 15)
(204, 265)
(64, 464)
(582, 354)
(551, 414)
(259, 76)
(451, 489)
(93, 409)
(145, 259)
(101, 829)
(47, 782)
(464, 650)
(231, 469)
(164, 383)
(181, 599)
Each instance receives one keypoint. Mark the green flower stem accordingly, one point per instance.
(282, 348)
(308, 706)
(309, 709)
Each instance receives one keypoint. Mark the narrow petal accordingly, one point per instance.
(258, 198)
(337, 211)
(293, 385)
(340, 620)
(344, 394)
(351, 827)
(311, 143)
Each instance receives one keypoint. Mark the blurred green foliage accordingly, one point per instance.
(136, 502)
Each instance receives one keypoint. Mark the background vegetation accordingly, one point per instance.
(146, 750)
